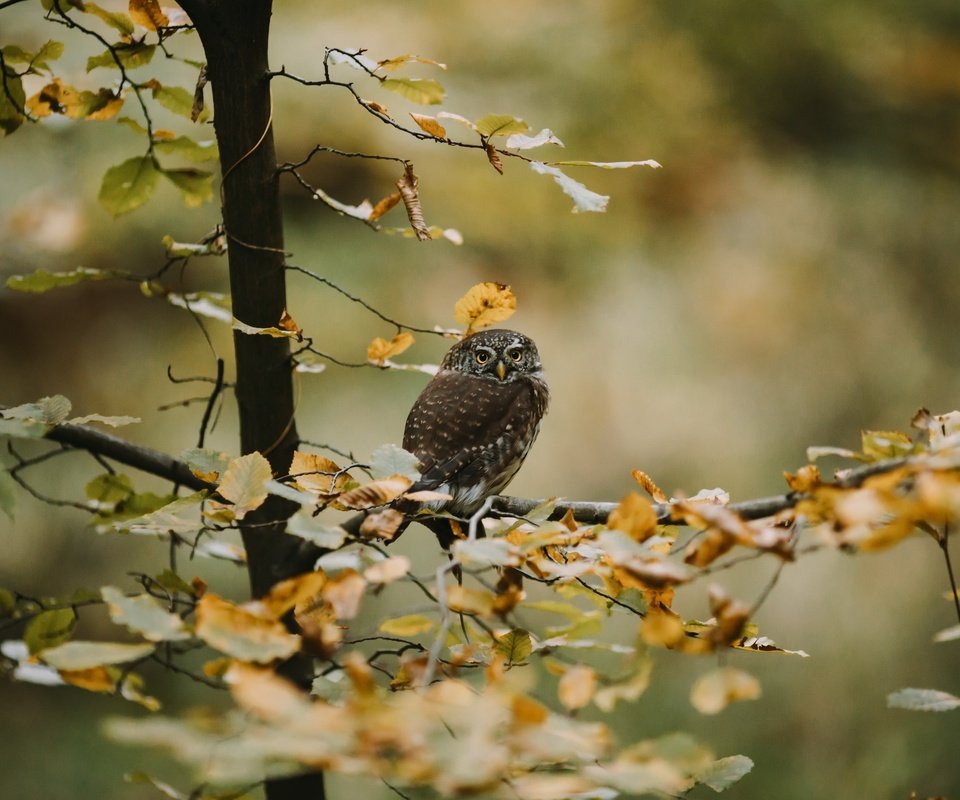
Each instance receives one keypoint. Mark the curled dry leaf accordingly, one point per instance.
(493, 157)
(381, 524)
(409, 188)
(375, 493)
(380, 349)
(485, 304)
(648, 485)
(806, 479)
(287, 323)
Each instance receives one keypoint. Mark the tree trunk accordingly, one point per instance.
(235, 36)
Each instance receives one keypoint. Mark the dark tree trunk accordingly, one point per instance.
(235, 36)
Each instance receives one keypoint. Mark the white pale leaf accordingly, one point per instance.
(923, 700)
(252, 330)
(206, 304)
(583, 198)
(485, 551)
(520, 141)
(610, 164)
(389, 459)
(358, 61)
(113, 422)
(77, 655)
(361, 211)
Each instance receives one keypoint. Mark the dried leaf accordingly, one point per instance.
(409, 188)
(577, 686)
(806, 480)
(241, 634)
(148, 14)
(196, 108)
(287, 594)
(465, 600)
(430, 125)
(143, 614)
(648, 485)
(383, 206)
(344, 592)
(583, 198)
(635, 517)
(287, 323)
(380, 349)
(390, 64)
(714, 691)
(375, 493)
(381, 524)
(244, 483)
(388, 570)
(315, 473)
(485, 304)
(493, 157)
(519, 141)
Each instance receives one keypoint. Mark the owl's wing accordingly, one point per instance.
(457, 421)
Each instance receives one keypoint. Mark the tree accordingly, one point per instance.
(613, 556)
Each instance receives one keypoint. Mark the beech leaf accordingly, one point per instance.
(239, 633)
(923, 700)
(143, 614)
(78, 655)
(424, 91)
(243, 484)
(129, 185)
(714, 691)
(583, 198)
(485, 304)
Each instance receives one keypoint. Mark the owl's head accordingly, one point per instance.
(496, 354)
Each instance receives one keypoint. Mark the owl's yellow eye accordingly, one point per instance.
(516, 355)
(482, 357)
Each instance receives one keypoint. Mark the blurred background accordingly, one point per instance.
(788, 278)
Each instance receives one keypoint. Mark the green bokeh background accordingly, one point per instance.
(788, 278)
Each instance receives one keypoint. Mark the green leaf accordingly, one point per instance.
(407, 625)
(143, 614)
(583, 198)
(132, 124)
(515, 646)
(128, 185)
(48, 410)
(8, 495)
(49, 629)
(172, 582)
(186, 148)
(244, 482)
(424, 91)
(195, 185)
(8, 602)
(130, 56)
(115, 19)
(11, 113)
(178, 100)
(79, 655)
(724, 772)
(43, 281)
(207, 463)
(923, 700)
(50, 51)
(109, 489)
(500, 125)
(388, 459)
(180, 516)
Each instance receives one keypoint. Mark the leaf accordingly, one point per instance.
(195, 185)
(388, 570)
(499, 125)
(176, 99)
(714, 691)
(380, 349)
(493, 157)
(390, 64)
(241, 634)
(577, 686)
(583, 198)
(484, 304)
(407, 625)
(143, 614)
(128, 185)
(206, 464)
(43, 281)
(375, 493)
(130, 56)
(109, 489)
(8, 499)
(243, 483)
(946, 635)
(79, 655)
(356, 60)
(49, 629)
(388, 459)
(315, 473)
(519, 141)
(465, 600)
(498, 552)
(343, 592)
(381, 524)
(635, 517)
(424, 91)
(284, 596)
(515, 646)
(115, 19)
(186, 148)
(429, 125)
(148, 14)
(141, 777)
(409, 188)
(813, 453)
(179, 516)
(57, 98)
(11, 102)
(885, 444)
(50, 51)
(384, 206)
(923, 700)
(721, 774)
(628, 690)
(113, 422)
(48, 410)
(609, 164)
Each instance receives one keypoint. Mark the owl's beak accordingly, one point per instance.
(501, 370)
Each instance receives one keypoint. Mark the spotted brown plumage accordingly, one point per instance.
(474, 423)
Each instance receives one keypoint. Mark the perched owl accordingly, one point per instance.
(474, 423)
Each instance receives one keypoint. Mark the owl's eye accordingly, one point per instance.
(482, 357)
(516, 355)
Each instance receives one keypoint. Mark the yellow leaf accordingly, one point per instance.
(244, 483)
(383, 206)
(577, 686)
(527, 711)
(95, 679)
(407, 625)
(380, 349)
(635, 517)
(485, 304)
(375, 493)
(390, 64)
(807, 479)
(662, 628)
(469, 601)
(289, 593)
(343, 592)
(148, 14)
(429, 125)
(239, 633)
(648, 485)
(315, 473)
(714, 691)
(388, 570)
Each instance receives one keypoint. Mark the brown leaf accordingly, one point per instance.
(285, 595)
(315, 473)
(383, 206)
(388, 570)
(806, 480)
(380, 349)
(375, 493)
(527, 711)
(287, 323)
(344, 592)
(242, 634)
(148, 14)
(382, 524)
(493, 157)
(648, 485)
(635, 517)
(379, 109)
(430, 125)
(197, 108)
(484, 304)
(409, 187)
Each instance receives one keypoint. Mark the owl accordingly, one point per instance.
(474, 423)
